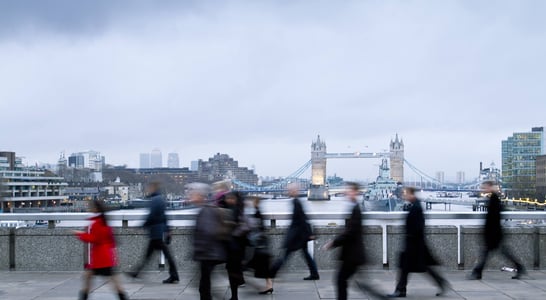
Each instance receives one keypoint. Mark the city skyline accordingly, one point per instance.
(260, 81)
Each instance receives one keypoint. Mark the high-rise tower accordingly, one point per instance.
(397, 159)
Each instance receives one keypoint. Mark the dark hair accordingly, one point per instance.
(239, 208)
(410, 189)
(101, 208)
(353, 185)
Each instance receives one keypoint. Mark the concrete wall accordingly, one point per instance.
(43, 249)
(4, 248)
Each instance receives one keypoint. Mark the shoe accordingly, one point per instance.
(397, 294)
(521, 272)
(83, 295)
(270, 291)
(312, 277)
(132, 274)
(171, 279)
(474, 276)
(122, 296)
(444, 285)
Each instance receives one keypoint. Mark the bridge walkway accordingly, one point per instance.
(289, 286)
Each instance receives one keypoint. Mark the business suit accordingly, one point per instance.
(297, 236)
(493, 238)
(416, 256)
(352, 250)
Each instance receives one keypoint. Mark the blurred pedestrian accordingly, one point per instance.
(261, 259)
(493, 235)
(416, 256)
(237, 243)
(298, 235)
(103, 251)
(351, 241)
(159, 233)
(213, 229)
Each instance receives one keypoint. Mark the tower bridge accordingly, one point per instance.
(318, 189)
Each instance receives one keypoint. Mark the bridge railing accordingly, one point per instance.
(381, 219)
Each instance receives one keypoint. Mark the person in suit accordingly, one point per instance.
(352, 254)
(493, 236)
(297, 236)
(156, 223)
(416, 256)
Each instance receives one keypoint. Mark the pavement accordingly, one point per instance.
(288, 286)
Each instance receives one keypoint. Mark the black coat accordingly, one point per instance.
(416, 255)
(351, 240)
(493, 230)
(299, 232)
(156, 221)
(206, 242)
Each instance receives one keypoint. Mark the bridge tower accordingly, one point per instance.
(318, 189)
(397, 159)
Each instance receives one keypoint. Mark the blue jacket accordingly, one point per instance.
(156, 222)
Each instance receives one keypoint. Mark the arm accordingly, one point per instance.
(351, 230)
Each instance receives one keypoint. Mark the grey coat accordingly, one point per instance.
(207, 244)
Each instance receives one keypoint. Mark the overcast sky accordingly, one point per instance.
(259, 80)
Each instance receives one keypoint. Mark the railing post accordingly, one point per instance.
(273, 223)
(12, 249)
(51, 224)
(124, 223)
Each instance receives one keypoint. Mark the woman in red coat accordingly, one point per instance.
(103, 251)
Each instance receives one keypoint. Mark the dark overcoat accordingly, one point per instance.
(299, 232)
(493, 229)
(416, 255)
(351, 241)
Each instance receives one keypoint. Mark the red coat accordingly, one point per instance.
(103, 246)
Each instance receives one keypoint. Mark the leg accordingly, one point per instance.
(310, 263)
(477, 271)
(508, 254)
(345, 272)
(114, 279)
(402, 281)
(172, 265)
(204, 282)
(149, 252)
(279, 262)
(440, 281)
(87, 277)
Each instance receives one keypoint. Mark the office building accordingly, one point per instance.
(221, 167)
(86, 160)
(541, 178)
(519, 153)
(194, 165)
(173, 161)
(156, 159)
(144, 160)
(24, 189)
(460, 177)
(440, 177)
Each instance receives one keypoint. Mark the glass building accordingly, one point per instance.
(519, 153)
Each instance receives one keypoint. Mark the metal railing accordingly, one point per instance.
(382, 219)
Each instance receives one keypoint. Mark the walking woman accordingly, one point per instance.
(261, 260)
(237, 243)
(103, 251)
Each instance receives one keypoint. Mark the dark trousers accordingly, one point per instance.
(204, 282)
(308, 259)
(345, 272)
(404, 274)
(504, 250)
(234, 265)
(159, 245)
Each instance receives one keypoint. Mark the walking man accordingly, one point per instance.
(493, 234)
(156, 223)
(297, 236)
(352, 245)
(416, 256)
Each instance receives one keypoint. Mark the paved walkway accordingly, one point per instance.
(289, 286)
